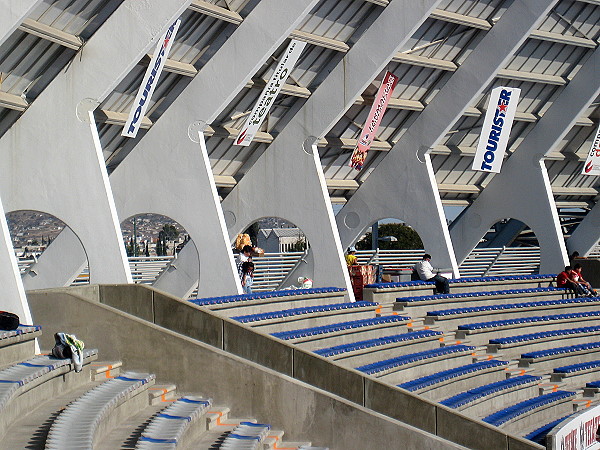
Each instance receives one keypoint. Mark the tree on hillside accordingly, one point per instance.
(408, 239)
(170, 232)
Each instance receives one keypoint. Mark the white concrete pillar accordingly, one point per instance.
(188, 195)
(403, 184)
(13, 14)
(13, 294)
(522, 190)
(54, 144)
(585, 237)
(287, 179)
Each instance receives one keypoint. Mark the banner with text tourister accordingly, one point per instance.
(142, 99)
(592, 163)
(270, 92)
(495, 132)
(373, 121)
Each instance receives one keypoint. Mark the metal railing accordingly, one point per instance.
(272, 268)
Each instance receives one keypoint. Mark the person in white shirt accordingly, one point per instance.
(427, 273)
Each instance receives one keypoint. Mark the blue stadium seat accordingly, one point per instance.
(488, 390)
(380, 366)
(370, 343)
(524, 407)
(300, 311)
(261, 295)
(539, 435)
(439, 377)
(313, 331)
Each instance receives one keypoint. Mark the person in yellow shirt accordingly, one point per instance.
(351, 259)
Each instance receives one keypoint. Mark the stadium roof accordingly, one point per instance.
(56, 32)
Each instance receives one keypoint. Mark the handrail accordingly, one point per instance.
(272, 269)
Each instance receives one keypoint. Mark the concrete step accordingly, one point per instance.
(217, 416)
(162, 394)
(104, 370)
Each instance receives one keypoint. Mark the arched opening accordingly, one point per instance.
(282, 255)
(510, 247)
(32, 233)
(151, 242)
(393, 246)
(509, 233)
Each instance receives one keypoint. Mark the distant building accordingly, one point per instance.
(279, 240)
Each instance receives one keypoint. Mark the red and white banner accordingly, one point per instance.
(374, 120)
(270, 92)
(142, 99)
(592, 164)
(495, 132)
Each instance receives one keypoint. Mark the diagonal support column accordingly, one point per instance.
(522, 190)
(587, 234)
(13, 293)
(13, 14)
(213, 88)
(54, 144)
(287, 179)
(403, 185)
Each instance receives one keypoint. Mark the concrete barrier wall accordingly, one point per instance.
(250, 390)
(200, 323)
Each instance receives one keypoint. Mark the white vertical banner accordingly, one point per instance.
(270, 92)
(592, 163)
(142, 99)
(495, 132)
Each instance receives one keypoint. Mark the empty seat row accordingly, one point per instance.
(488, 390)
(391, 363)
(539, 435)
(580, 367)
(300, 311)
(509, 306)
(24, 373)
(445, 375)
(522, 408)
(540, 354)
(168, 427)
(502, 323)
(23, 330)
(461, 280)
(424, 298)
(353, 324)
(263, 295)
(76, 426)
(246, 435)
(371, 343)
(543, 335)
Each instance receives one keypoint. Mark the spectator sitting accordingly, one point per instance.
(579, 279)
(566, 279)
(426, 273)
(351, 259)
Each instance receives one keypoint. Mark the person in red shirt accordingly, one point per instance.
(566, 279)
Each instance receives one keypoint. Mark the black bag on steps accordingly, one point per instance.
(8, 321)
